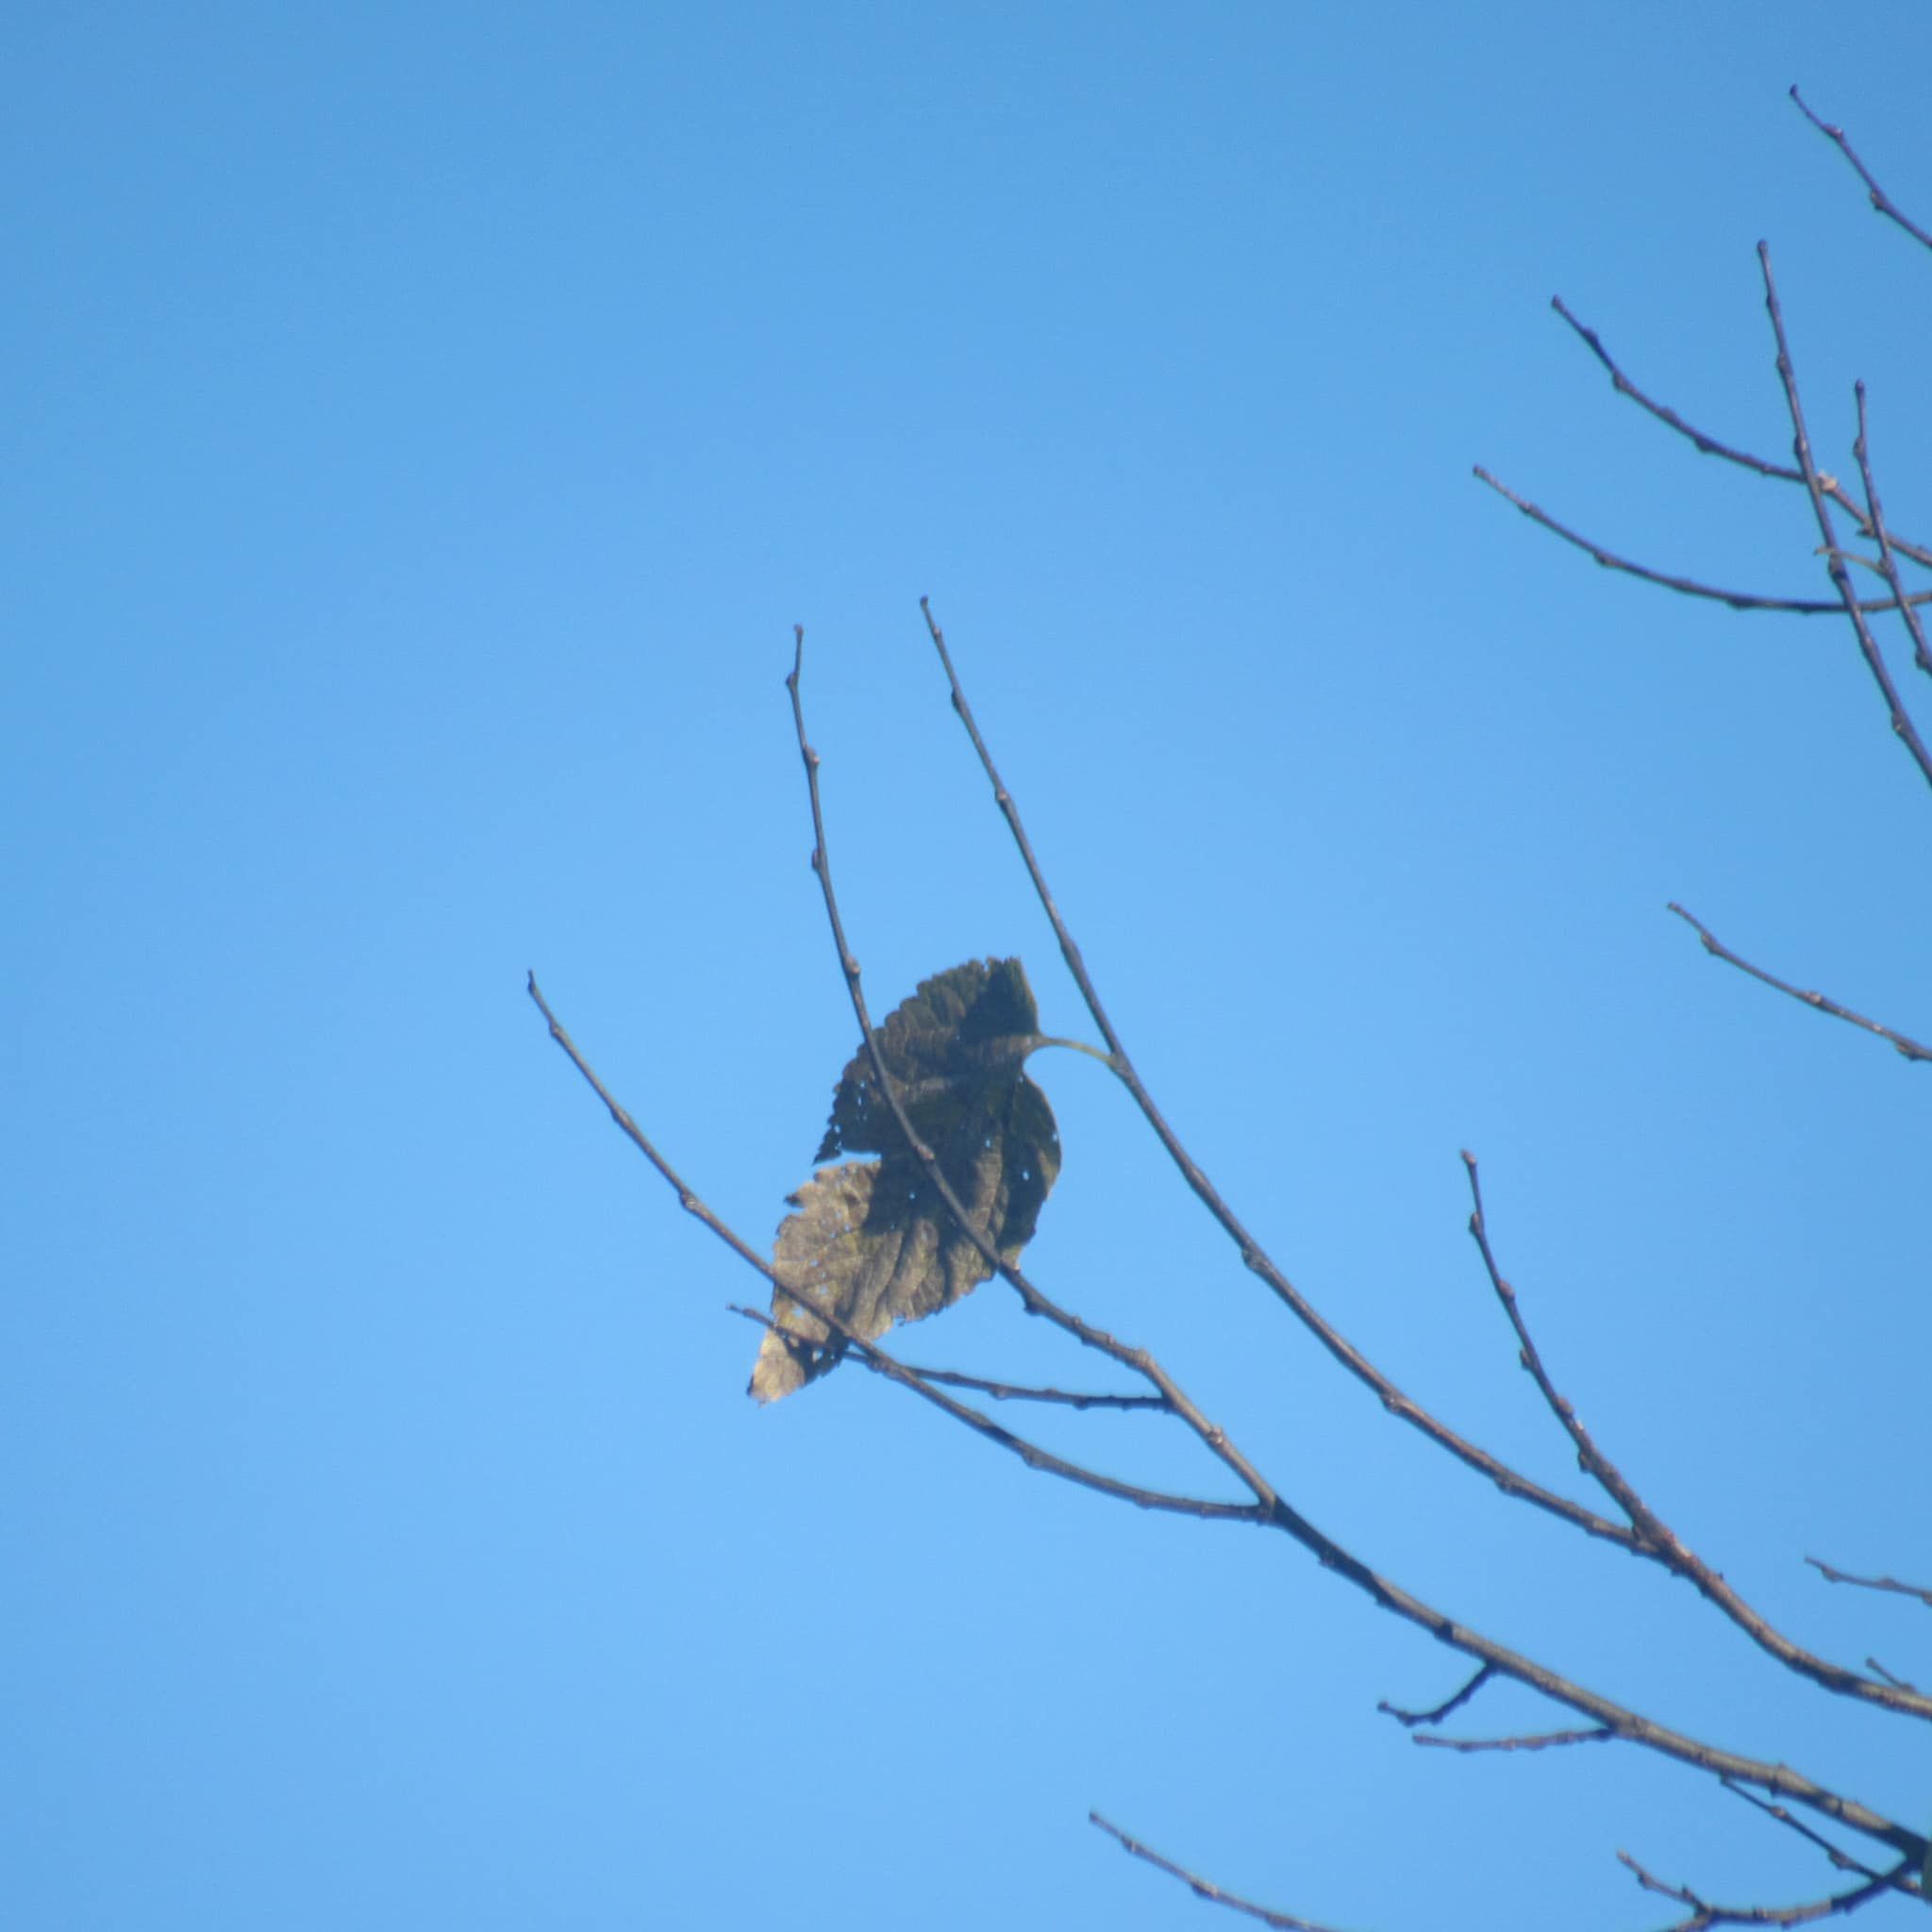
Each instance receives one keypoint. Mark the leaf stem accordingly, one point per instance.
(1092, 1053)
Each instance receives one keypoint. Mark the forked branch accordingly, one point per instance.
(1043, 1461)
(1657, 1534)
(1268, 1505)
(1702, 1913)
(1902, 724)
(1873, 527)
(1777, 1779)
(1647, 1536)
(1253, 1256)
(1688, 587)
(1707, 445)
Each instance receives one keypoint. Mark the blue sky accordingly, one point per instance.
(425, 423)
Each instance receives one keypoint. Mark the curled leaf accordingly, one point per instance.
(873, 1242)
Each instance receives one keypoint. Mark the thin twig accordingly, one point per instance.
(1881, 201)
(1399, 1404)
(1688, 587)
(1878, 1670)
(1885, 1583)
(1911, 1048)
(1888, 563)
(686, 1198)
(1412, 1718)
(1626, 1723)
(1041, 1460)
(1658, 1543)
(1707, 445)
(1657, 1534)
(1200, 1886)
(1539, 1740)
(1070, 1398)
(1271, 1509)
(1842, 1860)
(1591, 1460)
(1834, 561)
(1703, 1914)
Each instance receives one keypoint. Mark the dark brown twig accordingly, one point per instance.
(1881, 201)
(1412, 1718)
(1885, 1583)
(1902, 723)
(1400, 1404)
(1688, 587)
(1876, 529)
(1911, 1048)
(1709, 445)
(1200, 1886)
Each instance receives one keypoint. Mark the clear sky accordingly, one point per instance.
(424, 424)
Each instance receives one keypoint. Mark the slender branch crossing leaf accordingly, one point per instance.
(871, 1240)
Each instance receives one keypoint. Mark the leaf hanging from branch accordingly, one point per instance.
(872, 1242)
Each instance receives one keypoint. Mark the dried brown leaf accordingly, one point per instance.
(873, 1242)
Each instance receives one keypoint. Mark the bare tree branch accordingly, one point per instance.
(1911, 1048)
(1771, 1786)
(1203, 1888)
(1654, 1537)
(1688, 587)
(1041, 1460)
(1398, 1403)
(1138, 1360)
(1657, 1534)
(686, 1198)
(1878, 1670)
(1413, 1718)
(1887, 1583)
(1834, 558)
(1779, 1779)
(1842, 1859)
(1539, 1740)
(1703, 1913)
(1876, 529)
(1881, 201)
(1070, 1398)
(1709, 445)
(1268, 1506)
